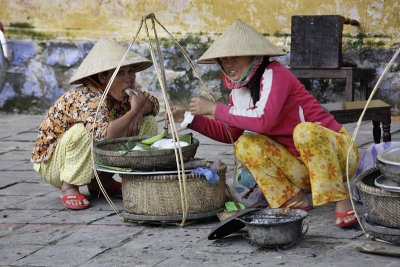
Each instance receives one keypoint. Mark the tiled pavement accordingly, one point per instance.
(36, 230)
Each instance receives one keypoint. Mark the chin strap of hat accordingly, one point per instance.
(354, 137)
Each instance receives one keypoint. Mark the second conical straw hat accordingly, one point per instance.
(240, 40)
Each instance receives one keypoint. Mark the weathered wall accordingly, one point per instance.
(120, 19)
(49, 39)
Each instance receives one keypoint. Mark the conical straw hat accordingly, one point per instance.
(106, 55)
(240, 40)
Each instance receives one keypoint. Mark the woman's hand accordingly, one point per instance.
(134, 126)
(137, 100)
(177, 112)
(202, 106)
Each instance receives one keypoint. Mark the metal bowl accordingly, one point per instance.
(388, 163)
(274, 228)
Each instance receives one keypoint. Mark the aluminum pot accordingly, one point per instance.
(388, 163)
(276, 227)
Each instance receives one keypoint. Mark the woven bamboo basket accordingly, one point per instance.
(106, 152)
(159, 195)
(382, 206)
(391, 235)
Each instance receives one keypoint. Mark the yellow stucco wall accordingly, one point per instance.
(83, 19)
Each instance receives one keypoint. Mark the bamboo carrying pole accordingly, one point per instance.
(159, 69)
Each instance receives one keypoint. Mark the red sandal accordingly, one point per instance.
(78, 197)
(343, 215)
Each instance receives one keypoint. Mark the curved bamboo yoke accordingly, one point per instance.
(158, 64)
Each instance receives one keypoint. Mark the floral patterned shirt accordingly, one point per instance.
(79, 105)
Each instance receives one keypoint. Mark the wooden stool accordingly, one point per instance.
(349, 74)
(377, 111)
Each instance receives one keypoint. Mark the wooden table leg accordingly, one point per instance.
(376, 131)
(386, 132)
(349, 89)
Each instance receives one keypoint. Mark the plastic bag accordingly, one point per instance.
(246, 190)
(210, 174)
(368, 161)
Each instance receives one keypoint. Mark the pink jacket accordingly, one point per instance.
(283, 104)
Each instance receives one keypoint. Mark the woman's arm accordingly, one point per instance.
(129, 122)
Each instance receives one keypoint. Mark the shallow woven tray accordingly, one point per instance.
(168, 219)
(382, 206)
(106, 152)
(159, 195)
(391, 235)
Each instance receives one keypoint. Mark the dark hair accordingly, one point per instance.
(254, 84)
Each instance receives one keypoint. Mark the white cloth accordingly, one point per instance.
(188, 118)
(167, 143)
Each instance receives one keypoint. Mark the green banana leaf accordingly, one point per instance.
(113, 167)
(188, 138)
(129, 145)
(126, 147)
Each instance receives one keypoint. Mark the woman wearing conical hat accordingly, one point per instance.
(282, 135)
(62, 154)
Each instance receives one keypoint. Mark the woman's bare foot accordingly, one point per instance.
(68, 190)
(299, 201)
(345, 215)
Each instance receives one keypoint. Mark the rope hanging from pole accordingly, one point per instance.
(160, 72)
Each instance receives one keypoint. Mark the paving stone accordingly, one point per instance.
(22, 216)
(112, 219)
(15, 146)
(23, 137)
(8, 165)
(103, 236)
(321, 221)
(48, 201)
(73, 217)
(20, 176)
(39, 234)
(125, 257)
(65, 255)
(13, 201)
(19, 166)
(8, 228)
(10, 254)
(26, 189)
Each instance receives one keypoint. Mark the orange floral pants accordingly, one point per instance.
(321, 167)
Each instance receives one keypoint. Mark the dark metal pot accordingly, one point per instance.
(272, 228)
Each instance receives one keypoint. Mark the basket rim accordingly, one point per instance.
(138, 153)
(373, 190)
(171, 177)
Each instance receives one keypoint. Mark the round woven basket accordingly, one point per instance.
(108, 153)
(391, 235)
(159, 195)
(382, 206)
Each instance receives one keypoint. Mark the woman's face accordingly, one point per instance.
(235, 67)
(125, 78)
